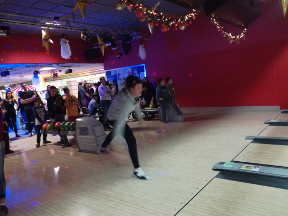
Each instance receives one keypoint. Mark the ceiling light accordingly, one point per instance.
(47, 68)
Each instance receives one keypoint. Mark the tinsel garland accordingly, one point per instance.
(154, 17)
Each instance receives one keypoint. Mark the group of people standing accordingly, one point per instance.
(163, 96)
(115, 113)
(97, 98)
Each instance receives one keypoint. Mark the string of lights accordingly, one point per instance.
(231, 38)
(155, 18)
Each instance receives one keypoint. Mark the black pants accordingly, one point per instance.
(11, 117)
(6, 138)
(30, 119)
(165, 107)
(105, 104)
(38, 130)
(131, 142)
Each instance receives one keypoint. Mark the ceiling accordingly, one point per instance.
(101, 15)
(24, 72)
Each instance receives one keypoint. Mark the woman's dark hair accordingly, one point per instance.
(11, 95)
(145, 85)
(160, 80)
(168, 79)
(37, 99)
(85, 86)
(53, 87)
(146, 79)
(131, 81)
(94, 95)
(66, 89)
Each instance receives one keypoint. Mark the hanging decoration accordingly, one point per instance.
(18, 88)
(101, 44)
(65, 47)
(151, 27)
(83, 36)
(284, 7)
(8, 88)
(154, 18)
(46, 40)
(81, 4)
(231, 38)
(36, 80)
(142, 52)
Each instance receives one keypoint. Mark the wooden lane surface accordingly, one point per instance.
(283, 116)
(55, 181)
(230, 198)
(275, 155)
(275, 131)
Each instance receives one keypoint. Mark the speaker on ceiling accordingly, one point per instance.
(126, 44)
(93, 54)
(239, 13)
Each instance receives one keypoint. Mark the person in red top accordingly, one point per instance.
(3, 207)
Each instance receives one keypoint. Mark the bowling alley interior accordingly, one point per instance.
(143, 108)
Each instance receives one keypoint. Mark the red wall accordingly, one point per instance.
(209, 72)
(29, 49)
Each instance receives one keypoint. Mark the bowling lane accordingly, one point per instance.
(283, 116)
(226, 198)
(265, 154)
(275, 131)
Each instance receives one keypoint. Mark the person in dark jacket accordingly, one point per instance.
(170, 87)
(56, 108)
(10, 115)
(147, 97)
(6, 138)
(40, 115)
(3, 207)
(27, 98)
(21, 109)
(164, 99)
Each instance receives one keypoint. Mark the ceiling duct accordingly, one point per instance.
(189, 4)
(240, 13)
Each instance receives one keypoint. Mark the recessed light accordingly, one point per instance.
(47, 68)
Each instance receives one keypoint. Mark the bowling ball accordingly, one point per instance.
(67, 126)
(57, 125)
(72, 126)
(62, 128)
(50, 127)
(44, 126)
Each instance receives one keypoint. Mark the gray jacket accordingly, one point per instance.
(123, 104)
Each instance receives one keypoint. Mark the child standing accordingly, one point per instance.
(40, 115)
(72, 106)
